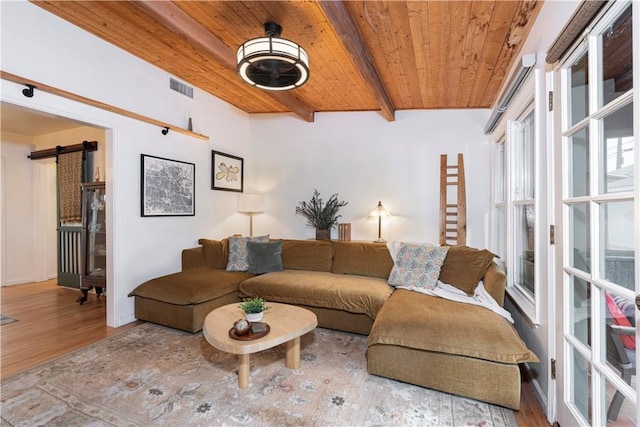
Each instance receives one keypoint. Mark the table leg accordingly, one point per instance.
(243, 370)
(292, 359)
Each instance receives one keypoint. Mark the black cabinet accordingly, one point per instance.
(94, 239)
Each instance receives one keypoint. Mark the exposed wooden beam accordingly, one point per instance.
(174, 18)
(338, 17)
(32, 84)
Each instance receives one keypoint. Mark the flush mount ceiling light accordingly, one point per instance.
(271, 62)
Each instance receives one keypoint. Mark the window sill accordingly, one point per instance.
(524, 303)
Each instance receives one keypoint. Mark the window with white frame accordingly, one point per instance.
(522, 204)
(515, 208)
(499, 183)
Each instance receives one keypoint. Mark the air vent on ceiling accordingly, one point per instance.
(180, 87)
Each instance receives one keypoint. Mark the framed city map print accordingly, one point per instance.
(168, 187)
(227, 172)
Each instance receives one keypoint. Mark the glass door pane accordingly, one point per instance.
(617, 64)
(581, 385)
(579, 90)
(617, 250)
(579, 163)
(619, 330)
(617, 152)
(620, 410)
(580, 244)
(580, 310)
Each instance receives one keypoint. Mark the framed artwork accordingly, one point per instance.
(227, 172)
(168, 187)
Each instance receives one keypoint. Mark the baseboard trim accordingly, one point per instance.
(125, 320)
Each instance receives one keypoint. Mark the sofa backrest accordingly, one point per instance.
(359, 258)
(192, 258)
(495, 282)
(362, 258)
(215, 253)
(313, 255)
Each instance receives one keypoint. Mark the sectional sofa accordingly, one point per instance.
(421, 339)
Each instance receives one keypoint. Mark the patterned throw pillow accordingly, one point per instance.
(417, 266)
(239, 252)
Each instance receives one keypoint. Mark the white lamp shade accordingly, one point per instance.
(250, 203)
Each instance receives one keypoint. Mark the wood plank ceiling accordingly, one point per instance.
(364, 55)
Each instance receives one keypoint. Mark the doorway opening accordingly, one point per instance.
(31, 251)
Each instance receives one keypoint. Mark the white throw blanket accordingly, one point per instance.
(480, 296)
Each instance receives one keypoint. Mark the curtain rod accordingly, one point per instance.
(54, 152)
(31, 85)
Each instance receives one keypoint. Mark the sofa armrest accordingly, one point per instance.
(495, 282)
(192, 258)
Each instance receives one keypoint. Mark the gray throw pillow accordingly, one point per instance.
(265, 257)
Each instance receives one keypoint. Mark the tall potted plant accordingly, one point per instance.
(323, 217)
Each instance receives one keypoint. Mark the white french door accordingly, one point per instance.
(598, 224)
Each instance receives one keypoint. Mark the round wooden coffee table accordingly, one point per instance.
(287, 322)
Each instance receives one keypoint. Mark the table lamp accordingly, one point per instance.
(379, 212)
(250, 204)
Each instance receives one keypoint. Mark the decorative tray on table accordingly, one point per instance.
(257, 330)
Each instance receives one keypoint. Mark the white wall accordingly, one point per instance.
(17, 209)
(66, 57)
(364, 159)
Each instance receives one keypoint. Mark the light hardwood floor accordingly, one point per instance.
(50, 323)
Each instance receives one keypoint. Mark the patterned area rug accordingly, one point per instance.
(6, 319)
(154, 375)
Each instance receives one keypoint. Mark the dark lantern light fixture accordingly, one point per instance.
(271, 62)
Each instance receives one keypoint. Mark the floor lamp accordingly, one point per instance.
(251, 204)
(379, 212)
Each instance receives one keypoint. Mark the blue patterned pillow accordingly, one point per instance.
(239, 252)
(417, 267)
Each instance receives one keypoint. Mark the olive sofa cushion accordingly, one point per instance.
(311, 255)
(464, 267)
(355, 294)
(192, 286)
(365, 259)
(419, 321)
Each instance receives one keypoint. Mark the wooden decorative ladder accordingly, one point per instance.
(453, 203)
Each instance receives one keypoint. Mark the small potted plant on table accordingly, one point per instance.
(254, 308)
